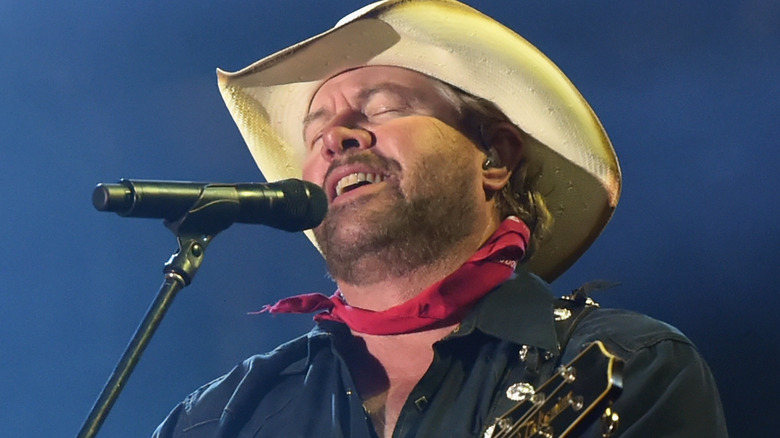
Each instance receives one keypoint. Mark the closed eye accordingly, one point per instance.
(386, 100)
(384, 113)
(312, 144)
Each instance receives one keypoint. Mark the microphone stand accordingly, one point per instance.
(194, 231)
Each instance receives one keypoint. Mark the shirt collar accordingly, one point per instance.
(520, 310)
(304, 348)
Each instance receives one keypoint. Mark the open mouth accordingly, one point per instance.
(354, 180)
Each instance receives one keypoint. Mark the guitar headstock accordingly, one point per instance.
(575, 396)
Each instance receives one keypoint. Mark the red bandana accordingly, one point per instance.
(445, 302)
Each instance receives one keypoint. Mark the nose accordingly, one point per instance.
(337, 139)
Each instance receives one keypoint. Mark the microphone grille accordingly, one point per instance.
(305, 205)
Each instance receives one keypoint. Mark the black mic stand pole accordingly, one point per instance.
(194, 231)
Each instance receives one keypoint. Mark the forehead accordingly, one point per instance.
(352, 83)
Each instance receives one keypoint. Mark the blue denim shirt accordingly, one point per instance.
(304, 388)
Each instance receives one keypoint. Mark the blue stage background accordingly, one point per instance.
(93, 91)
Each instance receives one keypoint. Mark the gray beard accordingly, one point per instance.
(411, 234)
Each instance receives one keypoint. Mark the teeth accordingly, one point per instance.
(355, 178)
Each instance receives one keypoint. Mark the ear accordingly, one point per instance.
(507, 143)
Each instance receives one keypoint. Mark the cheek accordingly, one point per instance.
(314, 168)
(436, 152)
(432, 137)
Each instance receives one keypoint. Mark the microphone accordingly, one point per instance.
(290, 205)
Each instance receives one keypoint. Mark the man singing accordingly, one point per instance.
(463, 170)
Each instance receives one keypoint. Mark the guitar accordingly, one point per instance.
(571, 400)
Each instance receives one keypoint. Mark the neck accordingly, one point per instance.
(389, 290)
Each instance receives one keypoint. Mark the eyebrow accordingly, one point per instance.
(362, 97)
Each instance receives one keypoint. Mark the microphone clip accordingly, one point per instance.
(214, 211)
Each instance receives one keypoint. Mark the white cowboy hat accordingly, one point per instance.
(567, 149)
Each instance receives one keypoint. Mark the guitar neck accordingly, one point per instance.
(578, 394)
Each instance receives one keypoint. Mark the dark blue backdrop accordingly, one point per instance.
(97, 90)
